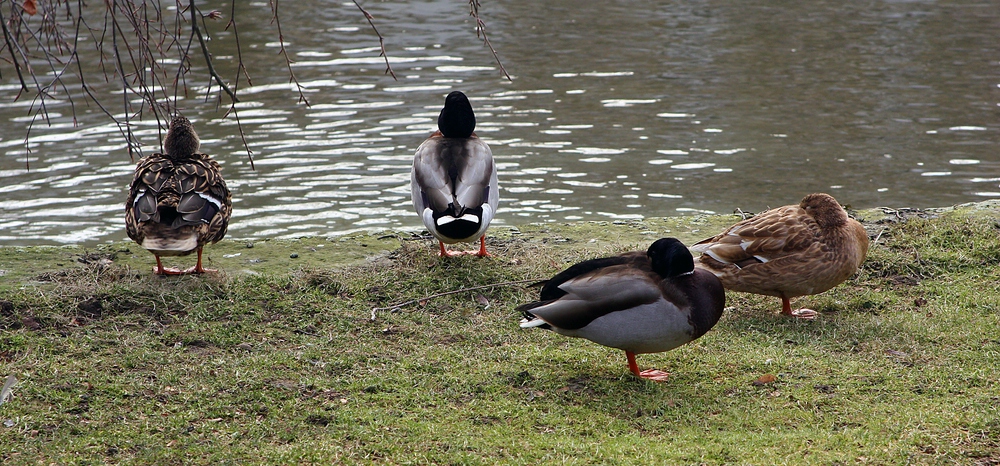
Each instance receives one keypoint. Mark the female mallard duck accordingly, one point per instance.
(640, 303)
(178, 200)
(790, 251)
(454, 180)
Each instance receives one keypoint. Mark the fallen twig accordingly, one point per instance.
(446, 293)
(878, 236)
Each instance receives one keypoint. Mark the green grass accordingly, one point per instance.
(277, 360)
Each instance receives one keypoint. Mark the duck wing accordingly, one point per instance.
(594, 294)
(453, 173)
(771, 235)
(476, 180)
(551, 288)
(204, 200)
(151, 173)
(190, 193)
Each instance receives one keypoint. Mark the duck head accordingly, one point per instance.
(670, 258)
(457, 120)
(181, 140)
(824, 209)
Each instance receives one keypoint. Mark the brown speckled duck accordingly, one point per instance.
(454, 180)
(178, 201)
(790, 251)
(638, 302)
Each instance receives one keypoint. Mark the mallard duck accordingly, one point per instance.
(790, 251)
(638, 302)
(178, 201)
(454, 180)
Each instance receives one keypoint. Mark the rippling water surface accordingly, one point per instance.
(617, 110)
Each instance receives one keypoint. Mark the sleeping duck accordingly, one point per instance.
(790, 251)
(454, 180)
(638, 302)
(178, 201)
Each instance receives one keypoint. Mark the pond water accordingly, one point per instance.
(617, 110)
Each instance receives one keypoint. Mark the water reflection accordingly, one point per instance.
(616, 112)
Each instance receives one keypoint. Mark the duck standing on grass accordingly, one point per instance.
(178, 201)
(454, 180)
(795, 250)
(638, 302)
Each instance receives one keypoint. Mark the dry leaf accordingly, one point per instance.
(30, 7)
(765, 379)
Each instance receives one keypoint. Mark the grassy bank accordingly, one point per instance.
(277, 358)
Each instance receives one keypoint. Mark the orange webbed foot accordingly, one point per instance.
(804, 313)
(655, 375)
(160, 270)
(807, 314)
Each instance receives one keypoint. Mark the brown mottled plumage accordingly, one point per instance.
(790, 251)
(178, 201)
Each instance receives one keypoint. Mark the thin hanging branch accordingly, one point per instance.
(208, 55)
(446, 293)
(135, 49)
(284, 52)
(381, 40)
(13, 55)
(240, 68)
(481, 28)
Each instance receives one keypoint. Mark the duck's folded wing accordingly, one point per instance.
(431, 180)
(476, 176)
(769, 236)
(552, 289)
(151, 173)
(591, 296)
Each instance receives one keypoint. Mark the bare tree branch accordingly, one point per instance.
(136, 47)
(381, 40)
(13, 56)
(208, 55)
(481, 28)
(240, 68)
(284, 52)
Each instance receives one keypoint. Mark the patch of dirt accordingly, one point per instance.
(901, 215)
(451, 339)
(904, 280)
(102, 259)
(91, 308)
(7, 318)
(520, 379)
(320, 420)
(577, 385)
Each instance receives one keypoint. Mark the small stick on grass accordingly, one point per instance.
(446, 293)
